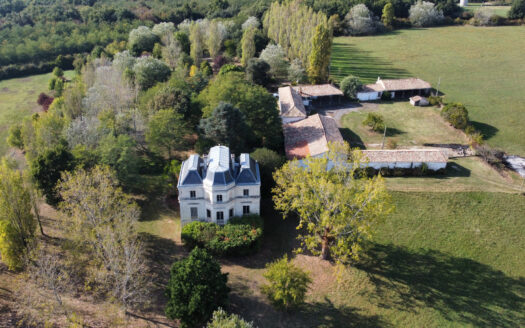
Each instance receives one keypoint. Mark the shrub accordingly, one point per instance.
(375, 122)
(361, 21)
(386, 96)
(391, 144)
(435, 100)
(424, 13)
(221, 319)
(241, 236)
(287, 284)
(456, 114)
(492, 156)
(196, 288)
(14, 139)
(517, 10)
(227, 68)
(350, 85)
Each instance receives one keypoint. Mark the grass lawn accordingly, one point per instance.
(440, 260)
(496, 10)
(479, 66)
(406, 125)
(18, 100)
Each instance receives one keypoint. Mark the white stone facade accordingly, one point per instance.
(218, 187)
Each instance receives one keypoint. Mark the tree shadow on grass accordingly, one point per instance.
(461, 289)
(392, 132)
(352, 138)
(487, 130)
(161, 253)
(317, 314)
(347, 59)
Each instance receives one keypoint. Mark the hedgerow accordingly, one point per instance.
(241, 236)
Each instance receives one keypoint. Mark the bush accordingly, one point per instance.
(424, 13)
(196, 288)
(227, 68)
(350, 85)
(360, 21)
(287, 284)
(375, 122)
(386, 96)
(391, 144)
(456, 114)
(435, 100)
(221, 319)
(517, 10)
(241, 236)
(492, 156)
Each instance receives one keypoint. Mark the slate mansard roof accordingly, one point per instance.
(219, 168)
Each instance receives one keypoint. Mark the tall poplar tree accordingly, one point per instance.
(197, 43)
(248, 45)
(320, 55)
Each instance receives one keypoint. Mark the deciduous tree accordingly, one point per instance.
(17, 224)
(167, 132)
(248, 45)
(336, 202)
(319, 59)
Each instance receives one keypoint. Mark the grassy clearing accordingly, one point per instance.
(18, 100)
(406, 125)
(479, 66)
(496, 10)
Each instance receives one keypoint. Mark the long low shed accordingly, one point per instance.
(405, 159)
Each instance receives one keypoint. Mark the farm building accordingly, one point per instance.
(319, 94)
(398, 89)
(291, 107)
(310, 137)
(406, 158)
(418, 101)
(217, 187)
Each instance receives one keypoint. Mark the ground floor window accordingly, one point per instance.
(194, 212)
(246, 209)
(208, 213)
(231, 212)
(220, 216)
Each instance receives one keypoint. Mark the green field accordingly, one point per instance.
(406, 125)
(18, 100)
(487, 76)
(440, 260)
(496, 10)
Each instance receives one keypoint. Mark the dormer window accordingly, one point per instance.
(219, 198)
(193, 194)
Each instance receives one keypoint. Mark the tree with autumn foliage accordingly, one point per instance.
(337, 203)
(320, 55)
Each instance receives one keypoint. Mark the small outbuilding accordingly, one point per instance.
(291, 107)
(319, 94)
(398, 89)
(418, 101)
(406, 158)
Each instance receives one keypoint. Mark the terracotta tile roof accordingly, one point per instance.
(318, 90)
(408, 155)
(397, 85)
(291, 103)
(310, 136)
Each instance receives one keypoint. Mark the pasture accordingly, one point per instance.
(18, 99)
(496, 10)
(481, 67)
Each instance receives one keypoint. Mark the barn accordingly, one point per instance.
(291, 107)
(319, 94)
(398, 89)
(406, 158)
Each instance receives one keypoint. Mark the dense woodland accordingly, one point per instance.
(34, 33)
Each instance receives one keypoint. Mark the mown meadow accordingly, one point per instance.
(481, 67)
